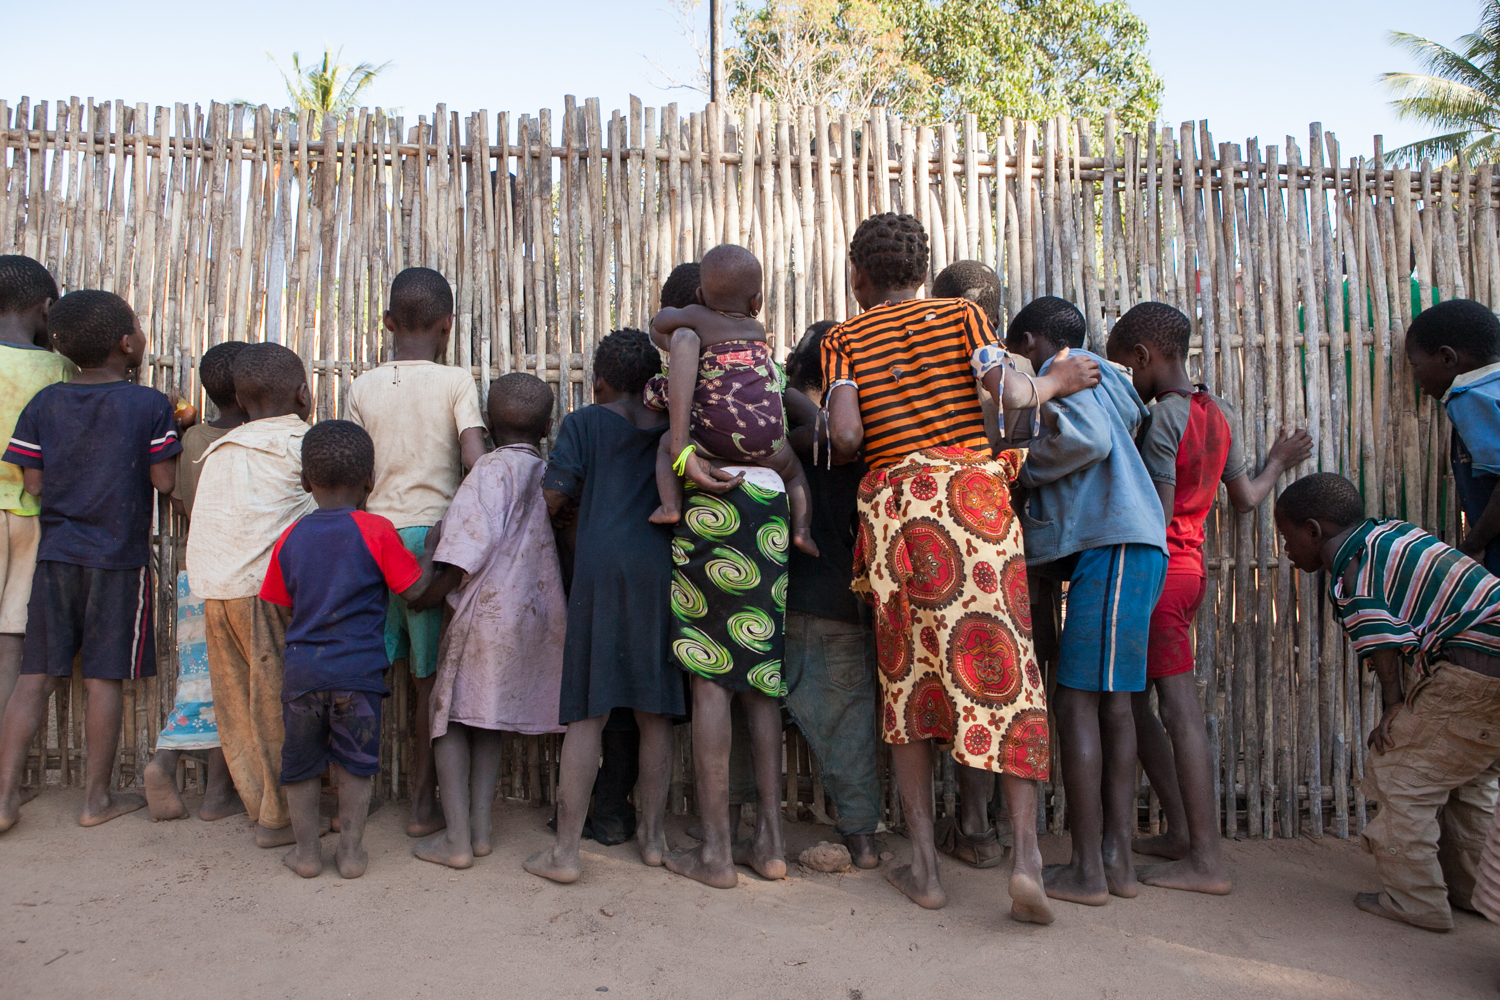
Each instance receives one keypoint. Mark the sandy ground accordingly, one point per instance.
(189, 909)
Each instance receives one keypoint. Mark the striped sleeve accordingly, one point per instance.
(835, 350)
(164, 442)
(25, 447)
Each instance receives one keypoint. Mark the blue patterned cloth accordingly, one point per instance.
(191, 725)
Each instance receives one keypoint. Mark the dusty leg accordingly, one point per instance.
(23, 717)
(160, 779)
(974, 800)
(711, 862)
(220, 798)
(764, 851)
(1203, 868)
(1156, 752)
(484, 772)
(1081, 880)
(655, 774)
(1117, 733)
(798, 495)
(1028, 896)
(426, 816)
(306, 859)
(668, 486)
(101, 726)
(579, 768)
(10, 666)
(919, 880)
(354, 809)
(452, 846)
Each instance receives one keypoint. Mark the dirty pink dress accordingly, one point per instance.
(500, 662)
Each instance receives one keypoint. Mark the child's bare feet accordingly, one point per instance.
(1119, 875)
(217, 804)
(1028, 896)
(653, 849)
(553, 865)
(804, 541)
(762, 856)
(690, 864)
(10, 811)
(1188, 875)
(1068, 882)
(441, 850)
(425, 820)
(1370, 903)
(352, 860)
(109, 806)
(162, 796)
(266, 837)
(309, 865)
(665, 515)
(862, 850)
(927, 893)
(1163, 845)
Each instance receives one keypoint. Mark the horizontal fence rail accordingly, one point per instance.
(1299, 268)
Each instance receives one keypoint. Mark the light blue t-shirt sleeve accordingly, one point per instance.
(1476, 414)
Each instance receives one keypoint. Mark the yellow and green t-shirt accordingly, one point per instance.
(24, 371)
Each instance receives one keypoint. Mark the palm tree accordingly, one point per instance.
(1460, 92)
(329, 88)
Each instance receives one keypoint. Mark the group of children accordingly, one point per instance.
(319, 556)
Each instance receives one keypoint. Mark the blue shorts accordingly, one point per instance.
(338, 726)
(104, 614)
(1107, 623)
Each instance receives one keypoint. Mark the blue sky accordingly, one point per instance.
(1263, 68)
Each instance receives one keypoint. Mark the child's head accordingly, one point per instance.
(93, 328)
(1449, 339)
(216, 372)
(1152, 341)
(27, 292)
(1312, 510)
(680, 290)
(804, 368)
(972, 280)
(520, 409)
(420, 307)
(338, 463)
(270, 381)
(888, 253)
(1044, 327)
(624, 361)
(729, 278)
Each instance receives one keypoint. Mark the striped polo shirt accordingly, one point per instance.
(910, 361)
(1413, 593)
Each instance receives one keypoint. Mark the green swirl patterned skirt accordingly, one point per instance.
(729, 587)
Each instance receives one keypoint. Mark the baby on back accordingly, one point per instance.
(723, 392)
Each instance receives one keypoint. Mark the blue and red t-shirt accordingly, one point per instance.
(332, 568)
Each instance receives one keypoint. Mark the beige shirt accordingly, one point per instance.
(415, 411)
(249, 492)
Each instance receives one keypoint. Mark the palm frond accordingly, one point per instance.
(1438, 147)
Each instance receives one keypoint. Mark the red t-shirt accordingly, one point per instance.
(1192, 444)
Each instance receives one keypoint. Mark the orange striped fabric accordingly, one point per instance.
(911, 363)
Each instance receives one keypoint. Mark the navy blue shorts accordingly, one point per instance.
(105, 614)
(342, 727)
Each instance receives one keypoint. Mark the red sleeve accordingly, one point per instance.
(274, 589)
(399, 566)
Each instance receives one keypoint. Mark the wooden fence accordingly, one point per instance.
(1300, 269)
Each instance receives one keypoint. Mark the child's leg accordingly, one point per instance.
(786, 465)
(160, 779)
(711, 862)
(426, 815)
(354, 809)
(764, 851)
(23, 717)
(306, 858)
(1203, 868)
(579, 768)
(484, 774)
(1028, 896)
(974, 800)
(918, 880)
(1082, 879)
(220, 799)
(1117, 735)
(1156, 753)
(655, 773)
(451, 847)
(101, 727)
(668, 486)
(10, 666)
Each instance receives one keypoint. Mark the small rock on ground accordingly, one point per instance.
(826, 857)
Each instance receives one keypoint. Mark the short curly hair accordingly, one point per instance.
(338, 453)
(216, 371)
(973, 280)
(86, 325)
(1469, 327)
(680, 290)
(24, 282)
(1055, 320)
(1322, 496)
(267, 373)
(625, 360)
(1155, 324)
(891, 249)
(421, 298)
(521, 402)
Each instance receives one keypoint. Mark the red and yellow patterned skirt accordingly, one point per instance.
(940, 559)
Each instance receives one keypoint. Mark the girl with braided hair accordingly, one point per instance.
(939, 554)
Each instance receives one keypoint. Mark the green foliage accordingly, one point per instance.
(1459, 93)
(328, 87)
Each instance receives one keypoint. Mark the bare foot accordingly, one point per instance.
(310, 866)
(1066, 882)
(690, 864)
(10, 811)
(862, 850)
(217, 808)
(805, 542)
(1120, 880)
(425, 824)
(1187, 875)
(1370, 903)
(266, 837)
(1163, 845)
(441, 851)
(480, 846)
(352, 861)
(548, 864)
(762, 857)
(162, 796)
(1028, 898)
(653, 850)
(663, 515)
(115, 804)
(28, 793)
(928, 894)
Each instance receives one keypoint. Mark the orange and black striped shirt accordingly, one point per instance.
(910, 361)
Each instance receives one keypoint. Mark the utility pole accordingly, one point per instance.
(716, 51)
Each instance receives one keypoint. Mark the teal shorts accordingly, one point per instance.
(413, 634)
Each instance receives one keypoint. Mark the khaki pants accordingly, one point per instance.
(1436, 792)
(246, 639)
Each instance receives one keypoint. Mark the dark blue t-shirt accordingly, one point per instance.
(96, 445)
(332, 568)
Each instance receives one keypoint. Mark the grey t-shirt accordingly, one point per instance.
(1162, 437)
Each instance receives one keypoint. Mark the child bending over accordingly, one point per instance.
(332, 568)
(723, 392)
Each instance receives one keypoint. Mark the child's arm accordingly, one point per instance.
(471, 446)
(1065, 376)
(164, 475)
(1080, 437)
(665, 324)
(1290, 449)
(1481, 532)
(31, 481)
(437, 579)
(1387, 666)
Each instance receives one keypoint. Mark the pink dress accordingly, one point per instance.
(500, 662)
